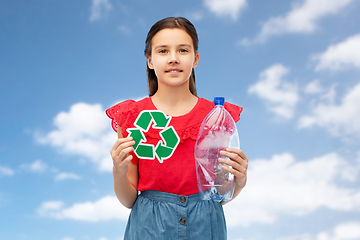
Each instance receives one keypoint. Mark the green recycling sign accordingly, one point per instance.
(169, 138)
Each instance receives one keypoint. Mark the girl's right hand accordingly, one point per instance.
(120, 154)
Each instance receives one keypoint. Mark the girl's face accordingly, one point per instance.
(172, 57)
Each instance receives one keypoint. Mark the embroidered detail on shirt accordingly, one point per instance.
(165, 147)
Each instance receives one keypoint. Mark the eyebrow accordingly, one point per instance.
(180, 45)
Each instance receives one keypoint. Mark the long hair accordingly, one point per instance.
(170, 22)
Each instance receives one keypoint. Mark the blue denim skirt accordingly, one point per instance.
(165, 216)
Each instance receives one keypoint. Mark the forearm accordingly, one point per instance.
(124, 190)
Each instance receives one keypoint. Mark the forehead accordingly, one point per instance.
(171, 36)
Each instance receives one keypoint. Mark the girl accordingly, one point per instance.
(169, 206)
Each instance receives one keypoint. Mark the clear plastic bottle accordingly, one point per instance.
(217, 132)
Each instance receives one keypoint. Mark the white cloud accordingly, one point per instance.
(303, 18)
(67, 238)
(50, 206)
(349, 230)
(330, 95)
(284, 186)
(224, 8)
(340, 56)
(36, 167)
(339, 120)
(279, 95)
(314, 87)
(5, 171)
(66, 176)
(320, 93)
(107, 208)
(100, 9)
(84, 131)
(344, 231)
(275, 187)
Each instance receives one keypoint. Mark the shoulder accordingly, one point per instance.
(233, 109)
(127, 105)
(121, 106)
(122, 114)
(206, 103)
(204, 106)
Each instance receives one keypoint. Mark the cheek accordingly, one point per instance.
(191, 63)
(157, 67)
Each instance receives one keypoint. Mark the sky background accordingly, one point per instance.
(294, 66)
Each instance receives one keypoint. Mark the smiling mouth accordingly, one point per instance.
(173, 71)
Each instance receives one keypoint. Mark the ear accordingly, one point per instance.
(149, 62)
(196, 60)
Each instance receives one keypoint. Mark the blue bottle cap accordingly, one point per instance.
(219, 101)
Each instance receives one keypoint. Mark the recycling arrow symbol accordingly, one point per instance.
(169, 138)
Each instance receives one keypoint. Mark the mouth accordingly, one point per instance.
(173, 70)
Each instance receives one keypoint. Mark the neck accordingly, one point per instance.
(174, 102)
(173, 96)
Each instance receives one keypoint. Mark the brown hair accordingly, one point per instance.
(170, 22)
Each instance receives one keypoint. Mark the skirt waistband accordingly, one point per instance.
(170, 197)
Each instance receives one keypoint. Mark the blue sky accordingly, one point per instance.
(292, 65)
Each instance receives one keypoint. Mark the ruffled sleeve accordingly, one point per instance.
(233, 110)
(122, 114)
(187, 126)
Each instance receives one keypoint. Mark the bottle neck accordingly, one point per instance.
(219, 101)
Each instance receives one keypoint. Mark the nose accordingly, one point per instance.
(173, 59)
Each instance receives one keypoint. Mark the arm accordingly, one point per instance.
(239, 163)
(125, 173)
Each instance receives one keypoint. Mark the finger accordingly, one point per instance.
(234, 159)
(121, 168)
(120, 141)
(233, 164)
(233, 156)
(126, 161)
(122, 146)
(121, 157)
(123, 151)
(237, 155)
(233, 167)
(238, 152)
(236, 172)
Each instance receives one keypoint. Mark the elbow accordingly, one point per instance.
(128, 207)
(128, 204)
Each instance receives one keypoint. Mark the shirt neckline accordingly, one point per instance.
(186, 114)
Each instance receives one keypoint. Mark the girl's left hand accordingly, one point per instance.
(239, 163)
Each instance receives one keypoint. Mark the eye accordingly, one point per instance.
(183, 50)
(163, 51)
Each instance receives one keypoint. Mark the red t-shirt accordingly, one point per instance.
(176, 174)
